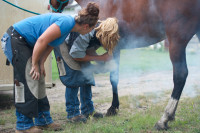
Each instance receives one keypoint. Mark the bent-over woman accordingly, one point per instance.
(27, 45)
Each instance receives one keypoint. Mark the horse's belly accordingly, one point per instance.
(134, 37)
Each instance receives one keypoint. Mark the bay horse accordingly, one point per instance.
(146, 22)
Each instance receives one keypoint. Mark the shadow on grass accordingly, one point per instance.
(6, 100)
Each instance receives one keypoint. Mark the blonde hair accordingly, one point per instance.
(108, 34)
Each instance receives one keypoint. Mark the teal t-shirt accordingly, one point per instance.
(32, 28)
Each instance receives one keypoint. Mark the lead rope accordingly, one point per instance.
(21, 8)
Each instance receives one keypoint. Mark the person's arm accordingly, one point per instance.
(104, 57)
(52, 33)
(43, 59)
(79, 49)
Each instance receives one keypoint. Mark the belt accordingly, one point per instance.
(13, 33)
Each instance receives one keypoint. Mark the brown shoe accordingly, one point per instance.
(78, 118)
(30, 130)
(51, 127)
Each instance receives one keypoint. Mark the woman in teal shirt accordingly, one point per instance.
(27, 45)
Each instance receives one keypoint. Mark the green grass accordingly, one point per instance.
(7, 116)
(139, 114)
(139, 61)
(138, 120)
(143, 60)
(130, 118)
(2, 122)
(55, 74)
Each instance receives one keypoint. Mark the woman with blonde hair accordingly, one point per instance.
(75, 72)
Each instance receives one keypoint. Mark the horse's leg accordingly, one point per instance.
(180, 72)
(114, 79)
(177, 44)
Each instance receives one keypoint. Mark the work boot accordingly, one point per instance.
(78, 118)
(94, 114)
(30, 130)
(51, 127)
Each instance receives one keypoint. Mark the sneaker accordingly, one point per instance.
(94, 114)
(30, 130)
(51, 127)
(78, 118)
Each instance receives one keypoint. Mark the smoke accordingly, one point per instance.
(99, 67)
(131, 37)
(137, 34)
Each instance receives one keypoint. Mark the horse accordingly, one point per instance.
(146, 22)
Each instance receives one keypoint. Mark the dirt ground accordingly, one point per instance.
(159, 84)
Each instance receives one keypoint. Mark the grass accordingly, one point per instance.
(132, 117)
(140, 61)
(143, 60)
(138, 120)
(55, 74)
(7, 116)
(137, 114)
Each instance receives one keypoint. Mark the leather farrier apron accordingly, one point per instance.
(74, 74)
(30, 95)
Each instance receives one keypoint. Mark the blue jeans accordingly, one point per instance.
(6, 46)
(72, 101)
(24, 123)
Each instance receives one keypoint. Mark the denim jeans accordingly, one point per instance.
(6, 46)
(73, 80)
(44, 118)
(24, 123)
(72, 101)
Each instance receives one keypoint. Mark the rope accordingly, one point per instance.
(20, 7)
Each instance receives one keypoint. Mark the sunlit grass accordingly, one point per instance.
(7, 117)
(140, 120)
(131, 118)
(55, 74)
(139, 61)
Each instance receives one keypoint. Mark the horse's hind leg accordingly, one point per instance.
(180, 72)
(177, 44)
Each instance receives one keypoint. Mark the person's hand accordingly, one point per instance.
(42, 69)
(35, 72)
(106, 57)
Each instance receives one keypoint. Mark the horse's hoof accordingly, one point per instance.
(161, 126)
(112, 111)
(172, 118)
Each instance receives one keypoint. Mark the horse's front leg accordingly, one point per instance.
(114, 79)
(180, 72)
